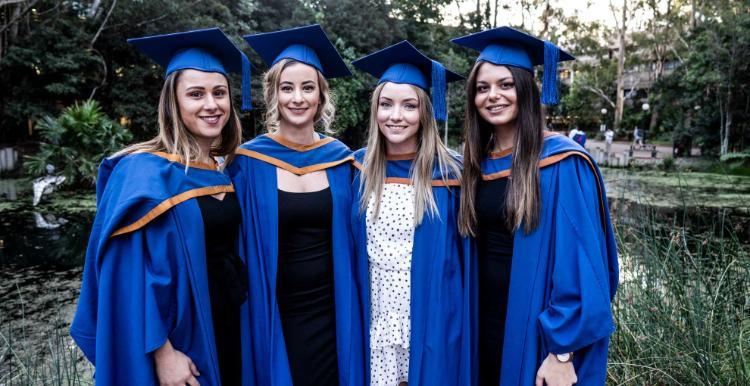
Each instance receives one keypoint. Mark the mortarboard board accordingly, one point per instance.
(208, 50)
(508, 46)
(308, 44)
(404, 63)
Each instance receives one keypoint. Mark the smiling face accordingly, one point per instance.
(204, 102)
(398, 117)
(298, 95)
(495, 97)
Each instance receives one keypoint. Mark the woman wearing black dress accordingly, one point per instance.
(294, 189)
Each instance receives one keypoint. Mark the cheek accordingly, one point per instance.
(479, 100)
(382, 115)
(412, 118)
(313, 99)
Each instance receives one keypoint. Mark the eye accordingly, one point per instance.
(507, 85)
(482, 88)
(195, 94)
(410, 106)
(385, 104)
(308, 88)
(286, 88)
(220, 93)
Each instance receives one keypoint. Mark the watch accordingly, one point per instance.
(564, 358)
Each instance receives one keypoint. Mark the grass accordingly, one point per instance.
(46, 358)
(683, 308)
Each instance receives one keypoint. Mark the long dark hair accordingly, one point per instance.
(522, 199)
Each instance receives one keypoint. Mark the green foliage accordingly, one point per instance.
(681, 311)
(75, 142)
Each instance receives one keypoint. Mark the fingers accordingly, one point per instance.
(193, 382)
(194, 369)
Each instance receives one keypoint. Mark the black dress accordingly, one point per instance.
(227, 281)
(495, 247)
(304, 287)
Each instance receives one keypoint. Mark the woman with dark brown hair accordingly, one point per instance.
(535, 201)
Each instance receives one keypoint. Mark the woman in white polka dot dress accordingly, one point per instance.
(410, 255)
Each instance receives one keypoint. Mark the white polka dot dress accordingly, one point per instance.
(390, 240)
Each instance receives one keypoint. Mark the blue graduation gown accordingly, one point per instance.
(564, 273)
(144, 278)
(253, 173)
(440, 346)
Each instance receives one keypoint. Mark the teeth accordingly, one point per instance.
(212, 119)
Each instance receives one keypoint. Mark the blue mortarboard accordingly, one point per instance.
(208, 50)
(308, 44)
(507, 46)
(404, 63)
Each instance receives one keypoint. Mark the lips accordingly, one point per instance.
(211, 119)
(496, 109)
(298, 111)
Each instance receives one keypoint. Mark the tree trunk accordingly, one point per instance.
(494, 16)
(621, 68)
(727, 123)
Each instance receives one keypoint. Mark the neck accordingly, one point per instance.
(205, 146)
(505, 136)
(407, 147)
(303, 135)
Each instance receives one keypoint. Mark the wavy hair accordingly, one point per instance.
(326, 108)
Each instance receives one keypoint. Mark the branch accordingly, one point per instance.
(19, 16)
(101, 27)
(600, 93)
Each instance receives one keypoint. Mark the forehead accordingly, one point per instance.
(299, 72)
(190, 78)
(398, 91)
(489, 72)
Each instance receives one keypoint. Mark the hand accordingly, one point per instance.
(555, 373)
(173, 368)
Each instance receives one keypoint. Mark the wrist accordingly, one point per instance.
(564, 357)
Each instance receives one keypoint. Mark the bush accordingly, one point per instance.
(75, 142)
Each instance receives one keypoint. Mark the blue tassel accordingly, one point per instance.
(247, 100)
(549, 80)
(438, 91)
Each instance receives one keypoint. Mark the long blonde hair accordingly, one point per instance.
(175, 138)
(429, 150)
(326, 108)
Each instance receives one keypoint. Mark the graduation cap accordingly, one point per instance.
(404, 63)
(508, 46)
(308, 44)
(208, 50)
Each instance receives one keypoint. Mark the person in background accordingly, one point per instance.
(294, 188)
(535, 201)
(413, 262)
(163, 284)
(609, 136)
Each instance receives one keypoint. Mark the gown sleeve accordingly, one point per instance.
(578, 311)
(127, 307)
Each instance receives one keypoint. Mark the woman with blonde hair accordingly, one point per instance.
(535, 200)
(413, 267)
(294, 189)
(162, 284)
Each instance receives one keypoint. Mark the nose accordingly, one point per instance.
(396, 114)
(210, 103)
(297, 96)
(495, 92)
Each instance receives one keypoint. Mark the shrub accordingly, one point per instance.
(75, 142)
